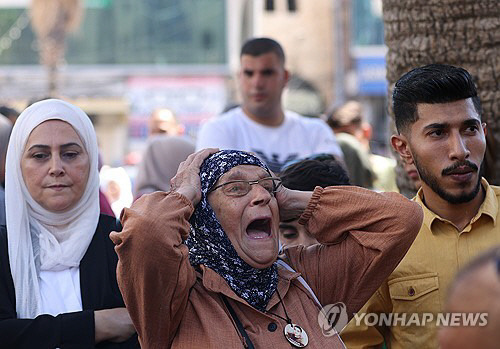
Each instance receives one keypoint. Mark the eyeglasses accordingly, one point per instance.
(242, 188)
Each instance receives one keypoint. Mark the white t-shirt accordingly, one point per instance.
(295, 138)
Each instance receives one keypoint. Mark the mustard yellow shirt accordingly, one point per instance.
(419, 283)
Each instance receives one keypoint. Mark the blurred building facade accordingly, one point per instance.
(130, 57)
(337, 48)
(334, 49)
(127, 58)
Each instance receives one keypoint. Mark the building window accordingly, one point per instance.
(148, 32)
(367, 24)
(269, 5)
(292, 5)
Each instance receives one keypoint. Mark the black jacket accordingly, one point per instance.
(99, 290)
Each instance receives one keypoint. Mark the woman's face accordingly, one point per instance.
(55, 166)
(250, 221)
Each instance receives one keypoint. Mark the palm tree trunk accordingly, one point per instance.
(52, 20)
(463, 33)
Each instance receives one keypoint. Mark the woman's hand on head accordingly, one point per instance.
(187, 179)
(292, 203)
(282, 196)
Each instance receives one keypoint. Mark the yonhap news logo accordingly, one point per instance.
(421, 319)
(332, 318)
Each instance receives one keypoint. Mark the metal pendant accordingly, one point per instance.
(296, 335)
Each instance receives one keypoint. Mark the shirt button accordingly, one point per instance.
(272, 327)
(411, 292)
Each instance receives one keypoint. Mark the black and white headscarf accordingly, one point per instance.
(209, 245)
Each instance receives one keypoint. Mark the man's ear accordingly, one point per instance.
(287, 76)
(400, 145)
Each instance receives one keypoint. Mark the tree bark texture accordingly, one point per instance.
(463, 33)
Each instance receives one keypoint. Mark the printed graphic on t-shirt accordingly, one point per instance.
(275, 163)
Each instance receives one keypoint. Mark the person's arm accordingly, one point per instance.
(154, 273)
(44, 331)
(153, 270)
(363, 236)
(68, 330)
(74, 330)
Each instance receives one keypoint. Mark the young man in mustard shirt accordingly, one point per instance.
(438, 119)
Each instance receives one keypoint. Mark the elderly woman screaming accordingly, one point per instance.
(199, 266)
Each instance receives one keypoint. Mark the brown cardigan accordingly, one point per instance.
(363, 237)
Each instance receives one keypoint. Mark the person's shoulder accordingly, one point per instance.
(219, 131)
(164, 138)
(229, 116)
(308, 121)
(496, 195)
(383, 160)
(168, 141)
(347, 140)
(492, 192)
(290, 115)
(315, 127)
(496, 190)
(225, 122)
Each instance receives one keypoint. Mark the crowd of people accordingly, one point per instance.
(245, 236)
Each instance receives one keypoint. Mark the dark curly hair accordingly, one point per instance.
(305, 175)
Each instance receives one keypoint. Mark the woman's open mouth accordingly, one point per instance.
(259, 229)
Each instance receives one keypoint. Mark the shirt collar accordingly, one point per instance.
(489, 207)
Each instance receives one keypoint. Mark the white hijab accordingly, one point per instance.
(37, 238)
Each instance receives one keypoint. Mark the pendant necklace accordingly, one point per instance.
(294, 334)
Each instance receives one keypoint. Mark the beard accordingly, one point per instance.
(433, 182)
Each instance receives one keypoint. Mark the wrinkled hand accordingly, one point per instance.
(187, 179)
(292, 203)
(113, 325)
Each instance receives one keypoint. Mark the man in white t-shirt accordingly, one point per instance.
(260, 124)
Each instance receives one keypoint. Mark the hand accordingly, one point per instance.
(113, 325)
(292, 203)
(187, 179)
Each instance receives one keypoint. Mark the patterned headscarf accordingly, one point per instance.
(209, 245)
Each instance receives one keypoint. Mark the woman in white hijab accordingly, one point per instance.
(57, 264)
